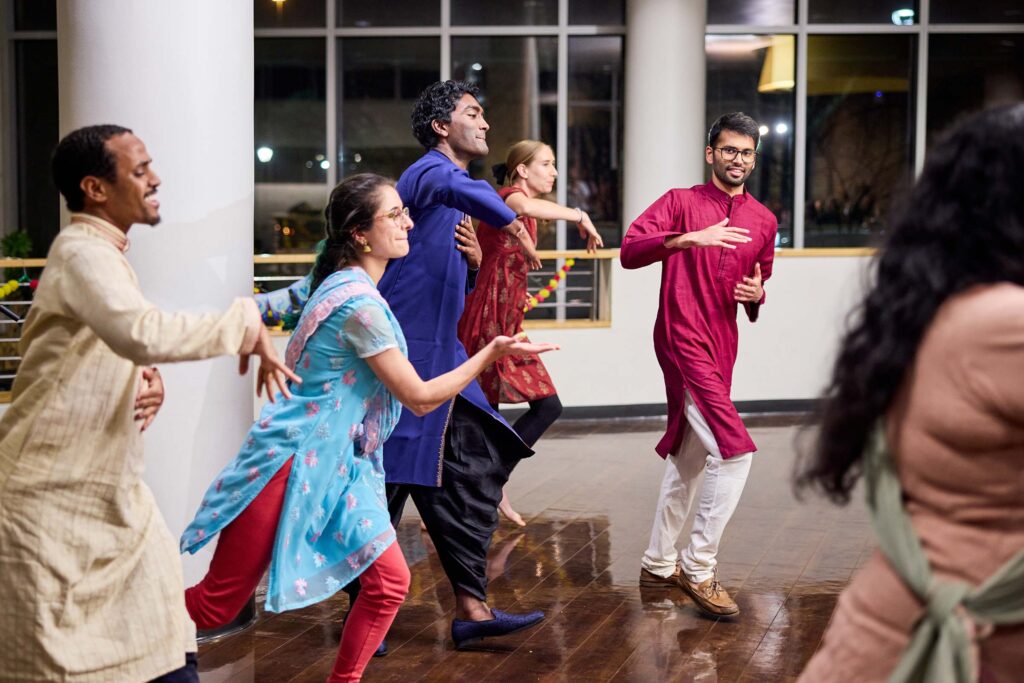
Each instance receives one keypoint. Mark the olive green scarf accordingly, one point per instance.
(939, 649)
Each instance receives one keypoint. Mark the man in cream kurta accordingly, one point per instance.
(90, 578)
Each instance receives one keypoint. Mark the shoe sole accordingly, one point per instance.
(654, 583)
(698, 603)
(651, 580)
(472, 641)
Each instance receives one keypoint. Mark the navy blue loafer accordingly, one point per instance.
(465, 632)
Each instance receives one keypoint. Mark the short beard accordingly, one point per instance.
(722, 174)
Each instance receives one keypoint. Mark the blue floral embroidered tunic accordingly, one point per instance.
(334, 522)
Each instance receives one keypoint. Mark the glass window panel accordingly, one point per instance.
(291, 142)
(594, 168)
(756, 75)
(597, 12)
(35, 15)
(37, 134)
(752, 12)
(379, 82)
(898, 12)
(366, 13)
(510, 12)
(291, 110)
(971, 72)
(289, 13)
(978, 11)
(289, 218)
(859, 134)
(518, 77)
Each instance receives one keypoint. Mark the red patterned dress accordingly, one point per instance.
(495, 307)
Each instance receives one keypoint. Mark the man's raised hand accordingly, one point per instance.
(718, 235)
(750, 291)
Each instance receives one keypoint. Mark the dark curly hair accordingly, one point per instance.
(961, 225)
(436, 103)
(351, 207)
(82, 153)
(737, 122)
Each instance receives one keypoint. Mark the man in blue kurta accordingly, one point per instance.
(454, 461)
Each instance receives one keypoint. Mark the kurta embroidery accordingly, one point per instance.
(334, 520)
(495, 307)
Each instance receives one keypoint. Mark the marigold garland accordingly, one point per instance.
(551, 286)
(10, 288)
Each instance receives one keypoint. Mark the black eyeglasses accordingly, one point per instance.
(730, 153)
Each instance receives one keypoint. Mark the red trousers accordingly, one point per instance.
(243, 553)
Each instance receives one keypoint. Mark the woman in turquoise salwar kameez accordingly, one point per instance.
(305, 494)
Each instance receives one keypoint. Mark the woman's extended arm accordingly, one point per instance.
(544, 210)
(401, 379)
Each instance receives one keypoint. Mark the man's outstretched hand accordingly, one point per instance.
(273, 373)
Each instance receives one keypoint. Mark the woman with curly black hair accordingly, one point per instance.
(936, 352)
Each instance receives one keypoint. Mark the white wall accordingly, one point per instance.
(787, 354)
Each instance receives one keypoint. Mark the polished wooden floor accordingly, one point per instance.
(589, 495)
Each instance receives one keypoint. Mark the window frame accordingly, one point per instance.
(444, 33)
(802, 29)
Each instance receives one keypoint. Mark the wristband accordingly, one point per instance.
(580, 219)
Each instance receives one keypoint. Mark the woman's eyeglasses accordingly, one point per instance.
(397, 215)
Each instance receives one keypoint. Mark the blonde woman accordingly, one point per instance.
(495, 307)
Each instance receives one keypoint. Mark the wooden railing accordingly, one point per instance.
(581, 300)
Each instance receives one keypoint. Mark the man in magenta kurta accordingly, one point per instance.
(716, 244)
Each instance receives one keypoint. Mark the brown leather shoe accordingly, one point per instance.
(651, 580)
(710, 597)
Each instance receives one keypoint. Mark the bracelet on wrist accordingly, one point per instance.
(580, 219)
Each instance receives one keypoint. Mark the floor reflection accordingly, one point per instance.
(588, 496)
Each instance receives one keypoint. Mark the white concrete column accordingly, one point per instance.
(664, 103)
(180, 75)
(663, 147)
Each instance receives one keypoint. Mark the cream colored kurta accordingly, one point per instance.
(90, 577)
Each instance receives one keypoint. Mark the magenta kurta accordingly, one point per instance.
(695, 335)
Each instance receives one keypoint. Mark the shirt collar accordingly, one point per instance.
(433, 150)
(721, 195)
(104, 229)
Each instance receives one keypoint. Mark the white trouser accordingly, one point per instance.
(719, 494)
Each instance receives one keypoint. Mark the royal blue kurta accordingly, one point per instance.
(426, 291)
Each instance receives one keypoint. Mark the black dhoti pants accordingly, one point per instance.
(461, 515)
